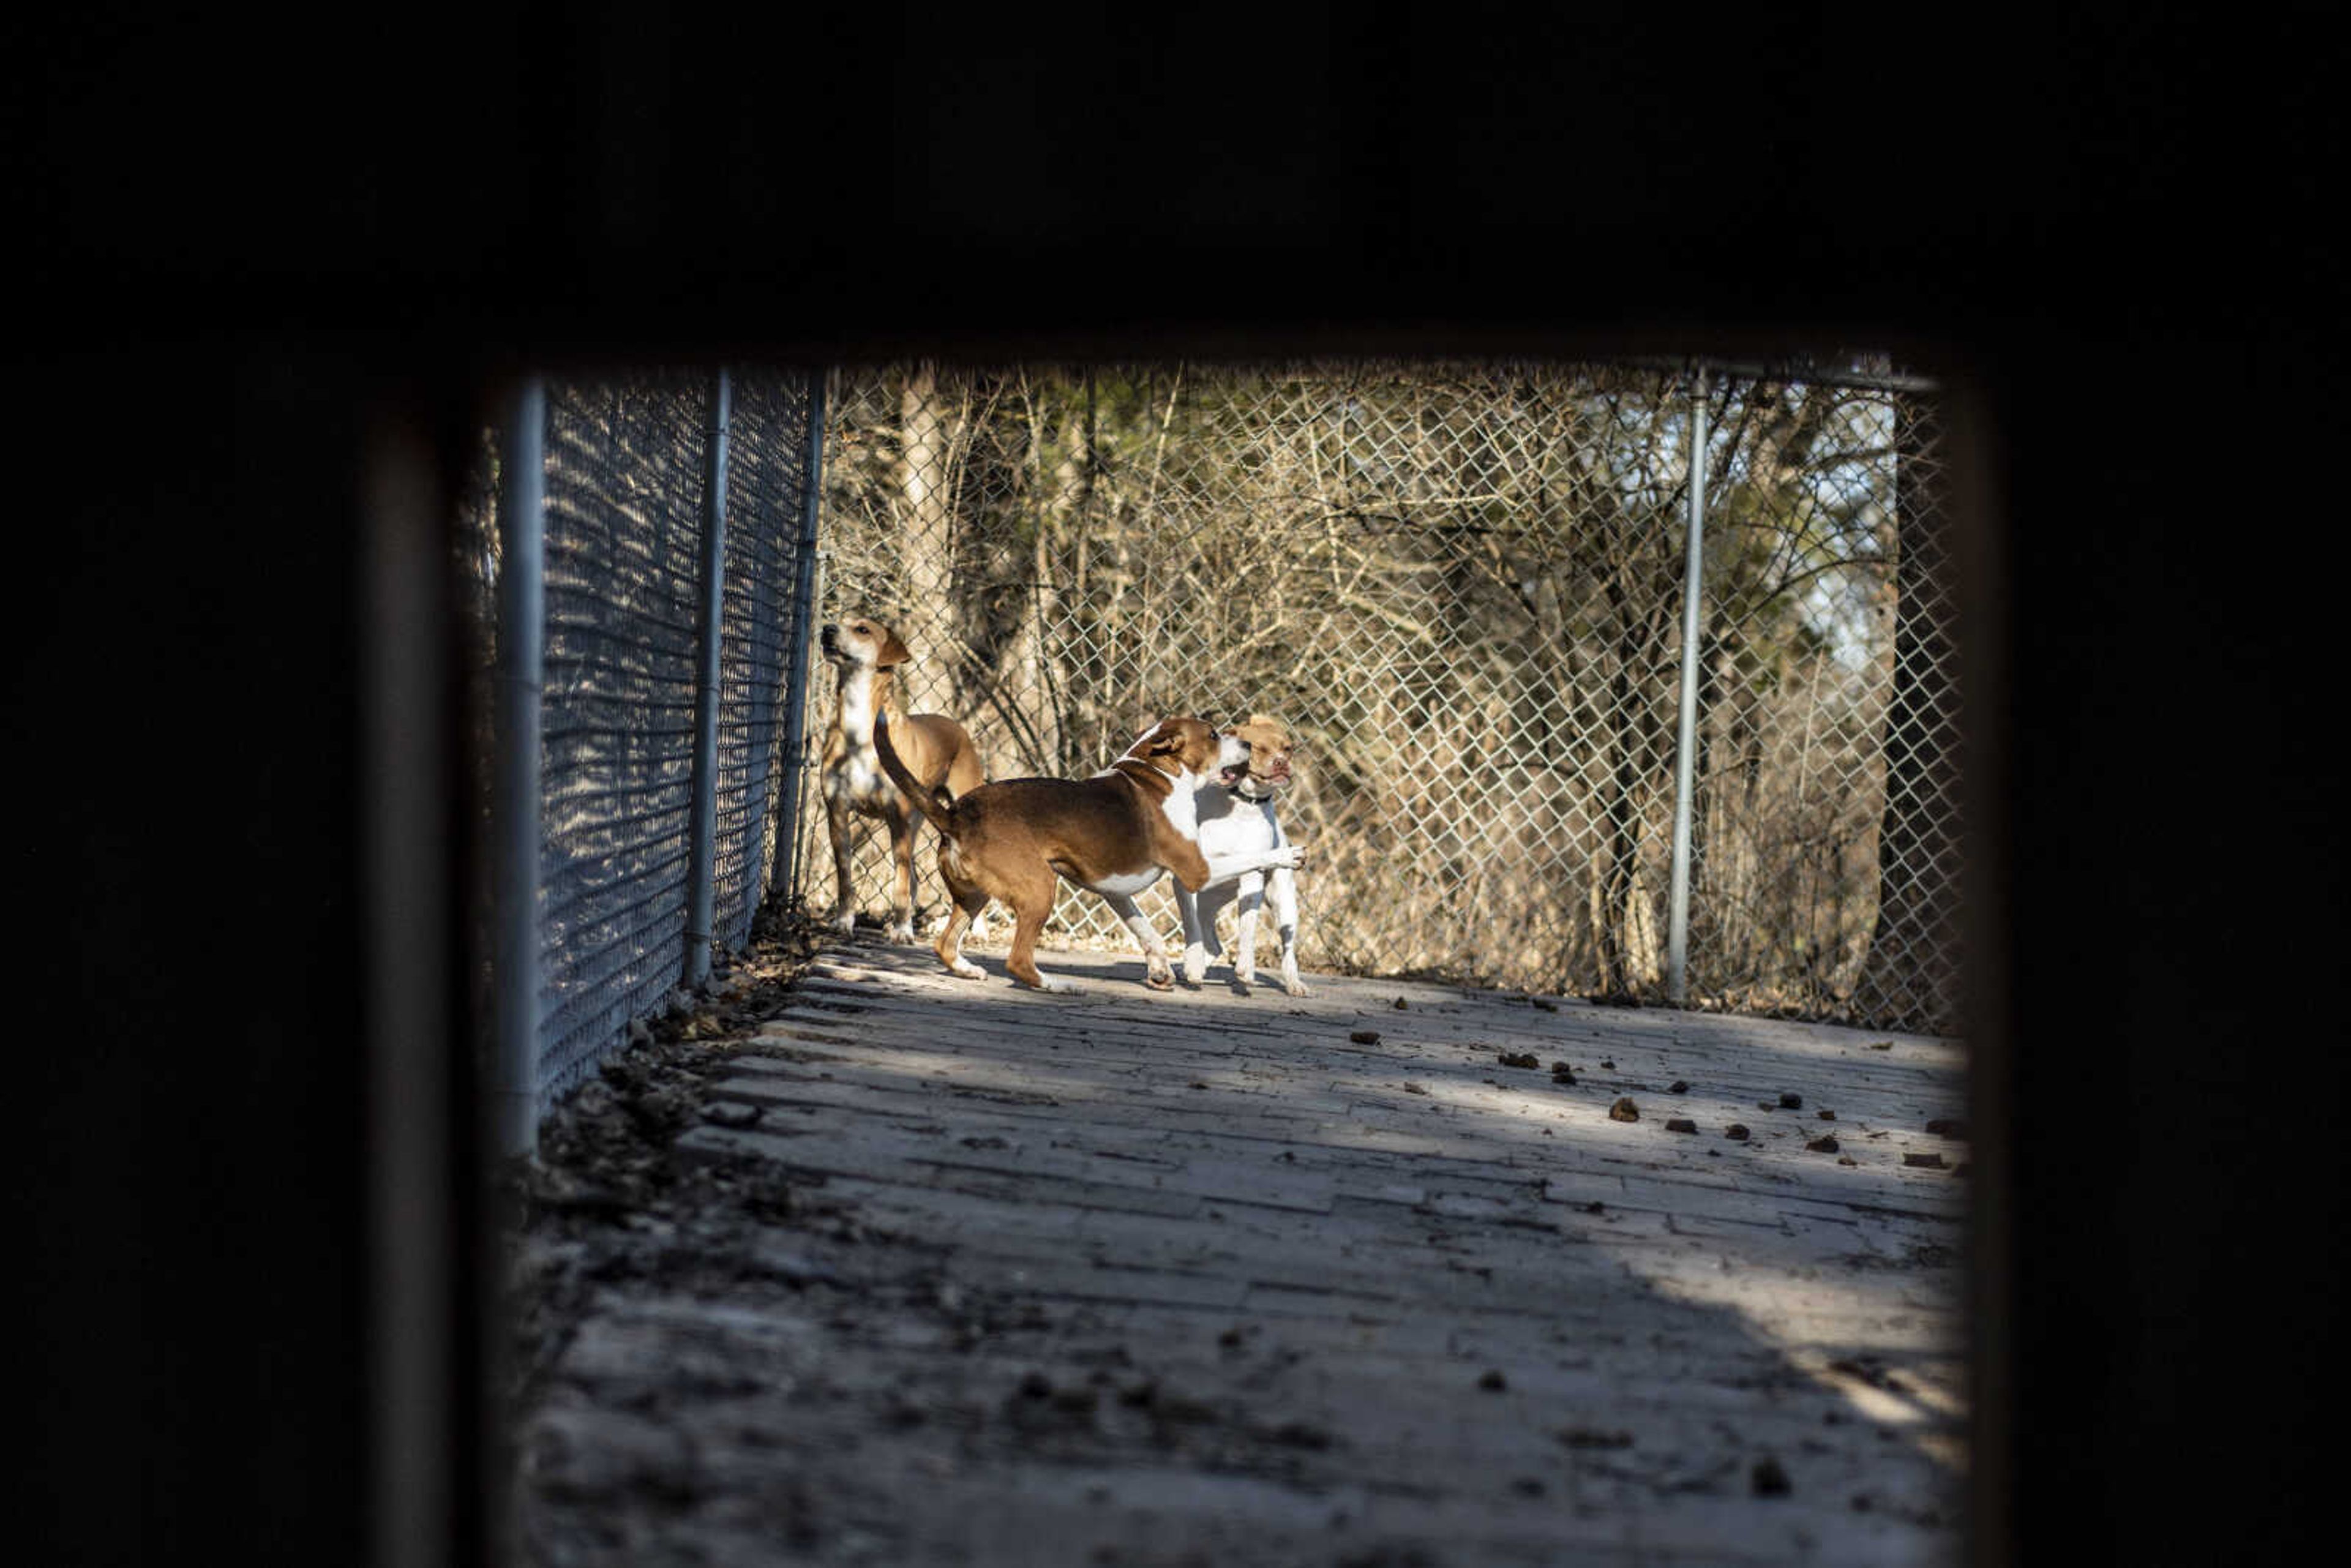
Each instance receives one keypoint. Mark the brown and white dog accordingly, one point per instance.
(1238, 819)
(935, 754)
(1113, 834)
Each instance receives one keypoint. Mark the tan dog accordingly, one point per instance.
(1113, 835)
(1238, 819)
(938, 753)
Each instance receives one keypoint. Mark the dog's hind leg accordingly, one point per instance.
(976, 928)
(968, 902)
(1156, 974)
(1199, 915)
(1029, 920)
(1200, 912)
(1283, 886)
(1252, 892)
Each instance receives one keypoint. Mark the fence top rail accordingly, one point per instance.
(1809, 372)
(1792, 370)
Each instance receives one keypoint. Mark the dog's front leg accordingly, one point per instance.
(902, 856)
(1230, 868)
(839, 820)
(1156, 972)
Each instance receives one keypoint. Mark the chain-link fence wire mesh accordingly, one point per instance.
(766, 480)
(1460, 587)
(623, 525)
(1826, 840)
(623, 532)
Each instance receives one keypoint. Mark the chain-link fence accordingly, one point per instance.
(766, 492)
(628, 462)
(1461, 586)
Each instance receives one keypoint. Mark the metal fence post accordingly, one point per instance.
(515, 813)
(1686, 746)
(701, 833)
(759, 767)
(804, 610)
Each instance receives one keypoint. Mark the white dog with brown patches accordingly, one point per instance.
(1237, 818)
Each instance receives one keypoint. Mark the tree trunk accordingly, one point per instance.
(925, 542)
(1063, 498)
(1623, 824)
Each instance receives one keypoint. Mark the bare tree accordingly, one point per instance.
(1461, 585)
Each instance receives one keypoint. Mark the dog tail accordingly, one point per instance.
(936, 803)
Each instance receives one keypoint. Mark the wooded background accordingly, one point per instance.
(1460, 585)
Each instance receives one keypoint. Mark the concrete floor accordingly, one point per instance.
(1128, 1278)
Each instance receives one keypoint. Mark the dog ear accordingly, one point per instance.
(1163, 737)
(893, 652)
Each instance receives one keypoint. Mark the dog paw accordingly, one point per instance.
(1295, 987)
(1290, 857)
(1159, 980)
(843, 922)
(903, 934)
(964, 970)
